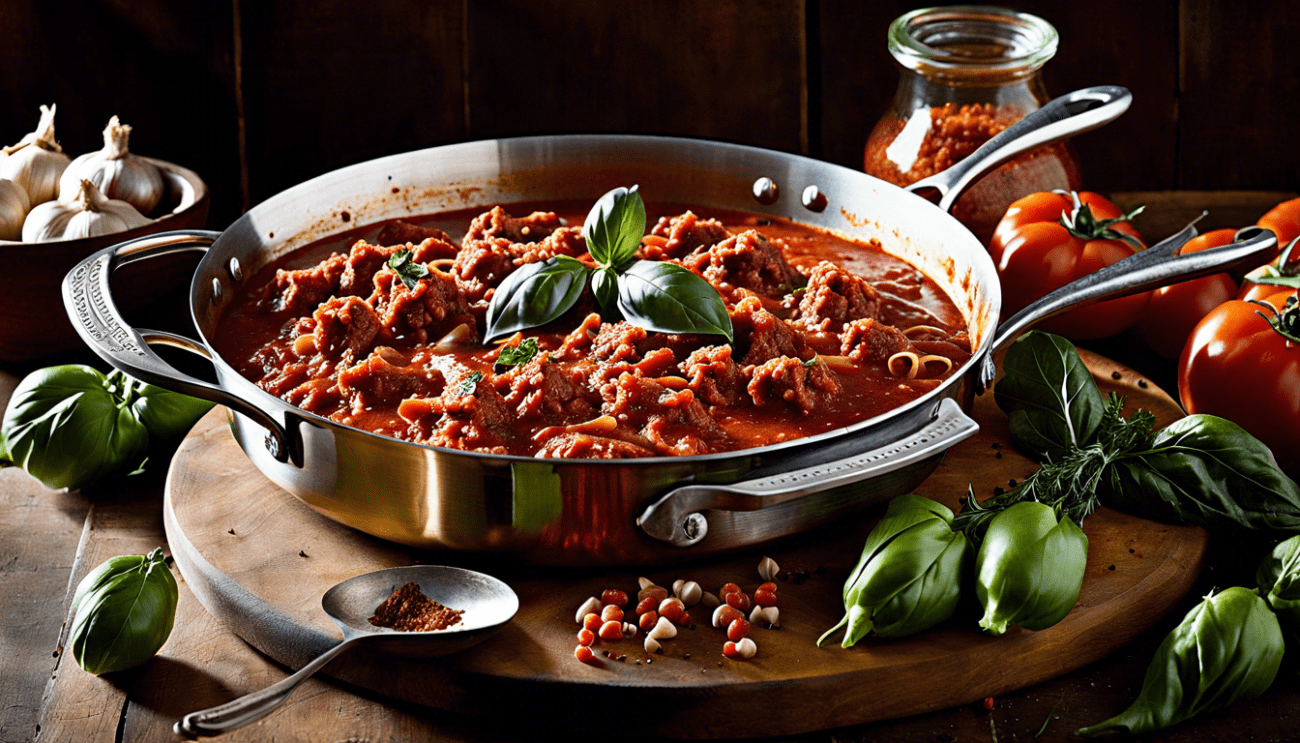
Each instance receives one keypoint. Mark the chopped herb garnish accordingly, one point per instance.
(810, 363)
(469, 383)
(407, 270)
(519, 355)
(798, 290)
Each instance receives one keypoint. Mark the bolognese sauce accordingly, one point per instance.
(828, 332)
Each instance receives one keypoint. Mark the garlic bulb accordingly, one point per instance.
(14, 206)
(116, 172)
(88, 215)
(37, 161)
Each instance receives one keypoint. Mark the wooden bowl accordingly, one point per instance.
(32, 321)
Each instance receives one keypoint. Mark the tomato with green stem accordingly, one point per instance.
(1271, 278)
(1242, 362)
(1174, 310)
(1046, 240)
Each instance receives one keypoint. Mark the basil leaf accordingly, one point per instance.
(516, 355)
(1049, 396)
(1207, 471)
(408, 271)
(615, 226)
(668, 298)
(469, 383)
(604, 284)
(123, 613)
(534, 295)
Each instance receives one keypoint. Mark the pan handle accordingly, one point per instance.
(1157, 266)
(88, 299)
(1062, 118)
(676, 518)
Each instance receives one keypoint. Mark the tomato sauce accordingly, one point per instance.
(826, 331)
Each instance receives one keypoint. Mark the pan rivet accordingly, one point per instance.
(694, 528)
(216, 291)
(813, 199)
(766, 191)
(272, 445)
(236, 271)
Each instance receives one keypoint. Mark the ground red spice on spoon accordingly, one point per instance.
(409, 610)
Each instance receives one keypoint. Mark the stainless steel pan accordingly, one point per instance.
(627, 511)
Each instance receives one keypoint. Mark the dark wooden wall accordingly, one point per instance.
(257, 95)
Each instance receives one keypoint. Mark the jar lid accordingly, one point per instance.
(960, 39)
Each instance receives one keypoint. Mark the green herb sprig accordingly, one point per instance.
(518, 355)
(662, 297)
(1201, 470)
(469, 383)
(408, 271)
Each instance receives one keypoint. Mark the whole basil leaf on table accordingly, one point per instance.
(70, 426)
(1050, 398)
(67, 427)
(123, 612)
(910, 573)
(1029, 569)
(1278, 578)
(1207, 471)
(1228, 647)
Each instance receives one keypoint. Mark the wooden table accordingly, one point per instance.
(49, 540)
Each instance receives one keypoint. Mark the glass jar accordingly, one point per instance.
(968, 72)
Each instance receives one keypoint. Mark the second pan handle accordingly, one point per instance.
(1062, 118)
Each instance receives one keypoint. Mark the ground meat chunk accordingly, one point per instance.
(586, 446)
(746, 261)
(684, 234)
(675, 421)
(793, 381)
(302, 290)
(765, 336)
(365, 260)
(401, 232)
(386, 378)
(714, 376)
(835, 297)
(345, 328)
(478, 421)
(870, 340)
(618, 342)
(431, 309)
(549, 391)
(497, 243)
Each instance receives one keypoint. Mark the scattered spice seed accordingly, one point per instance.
(997, 455)
(998, 491)
(1012, 482)
(1142, 383)
(988, 703)
(301, 553)
(649, 661)
(1131, 551)
(1116, 375)
(687, 655)
(997, 444)
(1112, 567)
(232, 531)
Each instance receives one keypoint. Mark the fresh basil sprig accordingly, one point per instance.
(534, 295)
(1201, 470)
(614, 228)
(469, 383)
(662, 297)
(409, 271)
(668, 298)
(510, 356)
(1049, 396)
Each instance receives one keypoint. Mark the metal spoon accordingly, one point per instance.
(487, 604)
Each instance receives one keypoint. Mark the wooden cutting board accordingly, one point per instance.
(259, 560)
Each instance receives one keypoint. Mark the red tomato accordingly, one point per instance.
(1035, 252)
(1286, 267)
(1237, 365)
(1284, 220)
(1175, 310)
